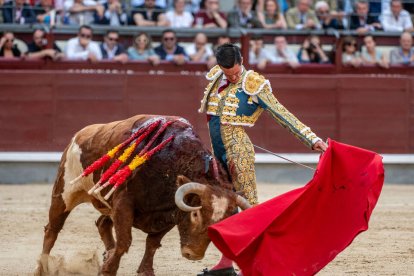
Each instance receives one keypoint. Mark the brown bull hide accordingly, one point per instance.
(146, 200)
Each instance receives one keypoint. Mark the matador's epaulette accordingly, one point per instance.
(213, 73)
(253, 83)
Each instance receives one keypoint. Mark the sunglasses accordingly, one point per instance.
(112, 38)
(88, 36)
(169, 38)
(351, 44)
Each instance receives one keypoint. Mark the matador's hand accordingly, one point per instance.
(320, 146)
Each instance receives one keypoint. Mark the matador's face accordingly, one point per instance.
(234, 73)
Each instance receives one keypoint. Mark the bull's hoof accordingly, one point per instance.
(228, 271)
(146, 273)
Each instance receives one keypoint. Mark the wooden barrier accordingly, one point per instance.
(40, 110)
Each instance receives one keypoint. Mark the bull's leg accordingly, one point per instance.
(123, 218)
(105, 224)
(153, 242)
(57, 218)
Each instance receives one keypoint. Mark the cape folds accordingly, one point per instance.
(299, 232)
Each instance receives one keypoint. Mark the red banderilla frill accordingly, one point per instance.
(110, 154)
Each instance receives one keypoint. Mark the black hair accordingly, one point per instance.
(168, 31)
(111, 31)
(228, 55)
(85, 27)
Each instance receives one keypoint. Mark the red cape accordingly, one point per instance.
(299, 232)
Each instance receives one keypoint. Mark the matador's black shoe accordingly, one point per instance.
(228, 271)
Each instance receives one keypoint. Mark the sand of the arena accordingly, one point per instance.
(387, 248)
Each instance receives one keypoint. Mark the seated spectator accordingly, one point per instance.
(350, 54)
(7, 47)
(257, 54)
(111, 49)
(199, 51)
(396, 19)
(142, 49)
(361, 21)
(222, 39)
(169, 49)
(312, 52)
(282, 54)
(405, 53)
(326, 19)
(178, 17)
(243, 16)
(82, 47)
(149, 14)
(272, 17)
(211, 16)
(43, 11)
(17, 11)
(114, 14)
(191, 6)
(370, 55)
(160, 3)
(37, 49)
(302, 16)
(83, 12)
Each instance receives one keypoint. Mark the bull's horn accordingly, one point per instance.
(242, 202)
(188, 188)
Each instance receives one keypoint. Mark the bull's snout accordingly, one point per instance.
(189, 254)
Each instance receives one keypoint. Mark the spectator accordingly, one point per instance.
(37, 49)
(350, 54)
(272, 17)
(257, 53)
(111, 49)
(361, 21)
(312, 52)
(222, 39)
(160, 3)
(82, 12)
(43, 11)
(243, 16)
(178, 17)
(82, 47)
(191, 6)
(282, 54)
(302, 16)
(405, 53)
(142, 49)
(396, 19)
(199, 51)
(169, 49)
(114, 14)
(326, 19)
(7, 47)
(149, 14)
(370, 55)
(17, 11)
(210, 17)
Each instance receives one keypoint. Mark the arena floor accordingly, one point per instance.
(387, 248)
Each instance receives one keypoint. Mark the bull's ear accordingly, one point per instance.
(181, 180)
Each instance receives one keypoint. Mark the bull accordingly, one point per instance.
(179, 185)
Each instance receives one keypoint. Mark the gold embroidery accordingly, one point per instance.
(285, 118)
(253, 83)
(240, 160)
(213, 72)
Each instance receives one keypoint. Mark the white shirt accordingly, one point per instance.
(392, 24)
(191, 50)
(74, 51)
(184, 20)
(288, 56)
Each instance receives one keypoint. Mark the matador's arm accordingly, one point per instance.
(267, 101)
